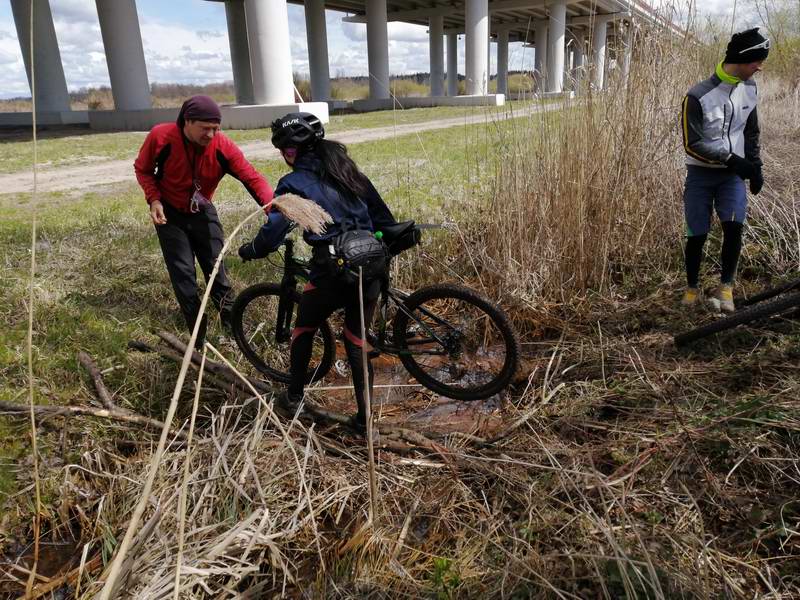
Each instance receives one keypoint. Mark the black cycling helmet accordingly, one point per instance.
(296, 130)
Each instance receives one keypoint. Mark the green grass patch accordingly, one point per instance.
(75, 147)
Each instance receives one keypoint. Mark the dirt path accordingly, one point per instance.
(90, 176)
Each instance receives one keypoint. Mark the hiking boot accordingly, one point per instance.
(289, 402)
(722, 300)
(691, 296)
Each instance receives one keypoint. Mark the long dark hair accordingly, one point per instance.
(340, 169)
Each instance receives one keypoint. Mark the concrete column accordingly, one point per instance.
(555, 46)
(599, 52)
(452, 64)
(51, 86)
(270, 58)
(122, 39)
(436, 32)
(580, 43)
(317, 38)
(627, 38)
(240, 51)
(502, 62)
(540, 57)
(377, 49)
(477, 47)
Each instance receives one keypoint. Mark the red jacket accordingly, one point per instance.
(168, 164)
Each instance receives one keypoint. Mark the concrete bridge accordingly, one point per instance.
(568, 36)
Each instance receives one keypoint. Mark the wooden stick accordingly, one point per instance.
(373, 476)
(97, 379)
(116, 414)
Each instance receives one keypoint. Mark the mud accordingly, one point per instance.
(400, 401)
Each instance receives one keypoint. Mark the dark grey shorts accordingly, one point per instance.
(709, 190)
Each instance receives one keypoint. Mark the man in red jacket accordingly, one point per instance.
(179, 167)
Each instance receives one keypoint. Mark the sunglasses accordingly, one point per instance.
(763, 45)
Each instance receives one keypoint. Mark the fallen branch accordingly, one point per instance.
(97, 379)
(14, 409)
(111, 410)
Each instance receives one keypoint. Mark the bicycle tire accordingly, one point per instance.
(741, 317)
(326, 343)
(504, 334)
(771, 293)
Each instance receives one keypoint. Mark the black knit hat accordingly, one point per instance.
(746, 47)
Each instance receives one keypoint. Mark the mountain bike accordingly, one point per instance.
(452, 339)
(776, 301)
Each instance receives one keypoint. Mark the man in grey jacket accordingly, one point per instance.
(721, 140)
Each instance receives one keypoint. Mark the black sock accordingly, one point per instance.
(694, 256)
(731, 248)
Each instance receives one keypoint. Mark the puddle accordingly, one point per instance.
(55, 558)
(398, 400)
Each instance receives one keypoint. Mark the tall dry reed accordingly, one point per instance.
(585, 193)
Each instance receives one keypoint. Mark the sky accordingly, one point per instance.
(186, 41)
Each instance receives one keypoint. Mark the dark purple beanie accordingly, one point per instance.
(199, 108)
(747, 47)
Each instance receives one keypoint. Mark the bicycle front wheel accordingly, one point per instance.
(455, 342)
(255, 327)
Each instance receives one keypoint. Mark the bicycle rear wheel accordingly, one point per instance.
(255, 318)
(740, 317)
(455, 342)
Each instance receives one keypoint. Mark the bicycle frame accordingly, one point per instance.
(295, 270)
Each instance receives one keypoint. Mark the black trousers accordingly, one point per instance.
(316, 305)
(184, 238)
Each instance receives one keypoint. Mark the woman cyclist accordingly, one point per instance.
(323, 172)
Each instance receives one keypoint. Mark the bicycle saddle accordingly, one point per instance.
(391, 232)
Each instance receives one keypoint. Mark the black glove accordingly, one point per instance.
(757, 182)
(246, 252)
(742, 167)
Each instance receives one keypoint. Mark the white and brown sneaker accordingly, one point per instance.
(722, 300)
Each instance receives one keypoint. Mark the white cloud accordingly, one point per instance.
(74, 11)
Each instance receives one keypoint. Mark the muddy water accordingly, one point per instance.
(55, 558)
(403, 402)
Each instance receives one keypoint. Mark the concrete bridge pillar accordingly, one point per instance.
(240, 51)
(555, 46)
(50, 84)
(540, 56)
(452, 64)
(378, 49)
(502, 62)
(436, 33)
(122, 39)
(270, 57)
(477, 47)
(599, 34)
(317, 37)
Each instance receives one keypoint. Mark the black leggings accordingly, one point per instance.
(316, 305)
(731, 249)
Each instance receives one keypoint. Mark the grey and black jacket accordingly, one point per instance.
(720, 118)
